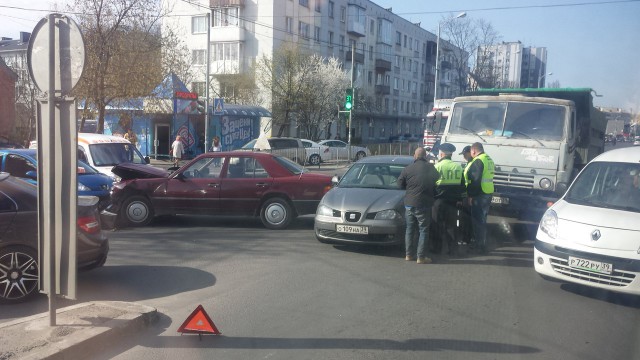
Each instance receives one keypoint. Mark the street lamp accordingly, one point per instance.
(435, 91)
(542, 77)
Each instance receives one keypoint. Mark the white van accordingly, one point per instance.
(103, 152)
(591, 236)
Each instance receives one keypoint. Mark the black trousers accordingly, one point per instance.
(445, 226)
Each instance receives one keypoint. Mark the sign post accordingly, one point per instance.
(56, 57)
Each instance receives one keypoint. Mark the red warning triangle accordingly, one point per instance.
(199, 322)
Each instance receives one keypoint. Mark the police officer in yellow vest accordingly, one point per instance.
(478, 176)
(449, 191)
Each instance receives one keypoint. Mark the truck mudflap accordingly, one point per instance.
(528, 207)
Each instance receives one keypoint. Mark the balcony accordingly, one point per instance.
(383, 65)
(223, 3)
(445, 64)
(356, 28)
(359, 58)
(227, 34)
(383, 89)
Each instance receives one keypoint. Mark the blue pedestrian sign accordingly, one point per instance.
(218, 106)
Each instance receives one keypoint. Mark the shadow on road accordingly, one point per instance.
(187, 221)
(611, 297)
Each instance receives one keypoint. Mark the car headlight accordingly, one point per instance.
(549, 224)
(386, 215)
(324, 210)
(82, 187)
(545, 184)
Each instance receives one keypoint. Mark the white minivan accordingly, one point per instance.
(591, 236)
(103, 152)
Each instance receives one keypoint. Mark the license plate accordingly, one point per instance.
(590, 265)
(352, 229)
(499, 200)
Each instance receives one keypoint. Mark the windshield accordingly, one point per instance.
(111, 154)
(376, 176)
(509, 119)
(607, 185)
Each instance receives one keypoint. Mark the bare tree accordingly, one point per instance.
(123, 46)
(484, 71)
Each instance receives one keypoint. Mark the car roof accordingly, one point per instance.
(27, 152)
(626, 155)
(91, 138)
(387, 159)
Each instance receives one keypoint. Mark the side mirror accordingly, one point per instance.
(335, 180)
(179, 176)
(32, 174)
(147, 160)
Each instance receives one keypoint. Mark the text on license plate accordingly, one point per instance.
(352, 229)
(499, 200)
(590, 265)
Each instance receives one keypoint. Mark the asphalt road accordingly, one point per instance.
(283, 295)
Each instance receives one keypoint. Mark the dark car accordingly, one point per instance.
(220, 183)
(19, 238)
(23, 163)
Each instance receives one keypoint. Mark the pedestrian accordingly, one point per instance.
(464, 209)
(419, 181)
(478, 177)
(449, 191)
(215, 146)
(131, 136)
(177, 150)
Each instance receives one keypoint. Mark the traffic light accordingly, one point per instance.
(200, 107)
(348, 100)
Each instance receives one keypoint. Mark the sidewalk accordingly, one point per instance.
(81, 330)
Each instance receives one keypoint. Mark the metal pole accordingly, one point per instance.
(206, 82)
(353, 93)
(435, 90)
(49, 232)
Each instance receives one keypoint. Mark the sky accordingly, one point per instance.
(590, 43)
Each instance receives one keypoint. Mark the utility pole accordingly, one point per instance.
(206, 83)
(353, 53)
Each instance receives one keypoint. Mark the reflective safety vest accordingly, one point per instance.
(488, 171)
(450, 172)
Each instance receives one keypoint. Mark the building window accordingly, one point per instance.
(405, 41)
(198, 87)
(303, 29)
(410, 43)
(343, 13)
(198, 57)
(341, 42)
(316, 34)
(331, 5)
(372, 26)
(370, 52)
(398, 38)
(198, 24)
(318, 6)
(228, 16)
(396, 83)
(304, 3)
(370, 77)
(289, 24)
(330, 38)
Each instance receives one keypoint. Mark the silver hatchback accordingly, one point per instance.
(366, 206)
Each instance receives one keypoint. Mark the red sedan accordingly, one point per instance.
(221, 183)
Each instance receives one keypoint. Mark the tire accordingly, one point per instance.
(360, 155)
(19, 275)
(314, 160)
(136, 211)
(276, 214)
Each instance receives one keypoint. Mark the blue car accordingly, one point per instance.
(23, 163)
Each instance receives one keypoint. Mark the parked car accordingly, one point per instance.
(340, 150)
(220, 183)
(23, 163)
(316, 153)
(366, 206)
(19, 238)
(591, 236)
(291, 148)
(103, 152)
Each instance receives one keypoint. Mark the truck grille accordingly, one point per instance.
(617, 278)
(513, 180)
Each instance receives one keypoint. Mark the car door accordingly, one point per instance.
(193, 190)
(244, 184)
(338, 150)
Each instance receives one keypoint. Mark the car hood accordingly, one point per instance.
(364, 200)
(129, 171)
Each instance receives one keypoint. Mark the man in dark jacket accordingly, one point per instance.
(419, 181)
(449, 191)
(478, 177)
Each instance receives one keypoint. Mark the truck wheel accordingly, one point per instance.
(137, 211)
(276, 214)
(314, 159)
(19, 275)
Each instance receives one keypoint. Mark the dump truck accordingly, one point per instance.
(539, 139)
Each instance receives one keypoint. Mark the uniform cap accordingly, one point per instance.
(466, 149)
(447, 148)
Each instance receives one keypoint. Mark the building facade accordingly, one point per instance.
(393, 62)
(512, 65)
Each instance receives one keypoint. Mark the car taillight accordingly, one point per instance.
(89, 224)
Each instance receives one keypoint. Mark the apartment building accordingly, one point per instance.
(512, 65)
(393, 63)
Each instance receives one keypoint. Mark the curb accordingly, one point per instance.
(80, 343)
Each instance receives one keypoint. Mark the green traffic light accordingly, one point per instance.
(348, 101)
